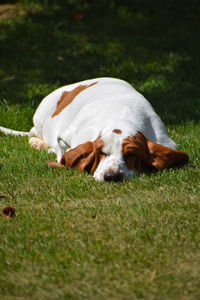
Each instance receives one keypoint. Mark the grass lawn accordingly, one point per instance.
(74, 238)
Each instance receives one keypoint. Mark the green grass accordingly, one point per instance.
(74, 238)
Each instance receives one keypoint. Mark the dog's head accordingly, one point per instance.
(114, 157)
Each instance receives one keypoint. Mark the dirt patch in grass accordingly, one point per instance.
(8, 11)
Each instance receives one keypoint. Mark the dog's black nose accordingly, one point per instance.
(113, 176)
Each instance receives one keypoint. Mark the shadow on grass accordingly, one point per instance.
(155, 47)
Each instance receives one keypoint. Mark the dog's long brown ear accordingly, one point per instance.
(142, 155)
(164, 157)
(84, 157)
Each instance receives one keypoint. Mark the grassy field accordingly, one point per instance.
(74, 238)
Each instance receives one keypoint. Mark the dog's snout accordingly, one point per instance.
(113, 176)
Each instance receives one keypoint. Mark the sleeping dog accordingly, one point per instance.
(105, 127)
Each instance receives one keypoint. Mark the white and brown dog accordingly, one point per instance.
(105, 127)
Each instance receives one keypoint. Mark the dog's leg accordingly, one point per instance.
(38, 143)
(62, 148)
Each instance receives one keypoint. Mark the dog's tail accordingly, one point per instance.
(13, 132)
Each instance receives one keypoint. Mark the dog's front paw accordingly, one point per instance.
(54, 164)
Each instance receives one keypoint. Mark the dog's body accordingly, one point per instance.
(98, 125)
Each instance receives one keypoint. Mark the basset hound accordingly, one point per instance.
(105, 127)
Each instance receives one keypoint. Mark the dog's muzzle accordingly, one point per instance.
(114, 176)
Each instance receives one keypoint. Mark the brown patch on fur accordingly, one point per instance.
(67, 97)
(141, 154)
(84, 157)
(118, 131)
